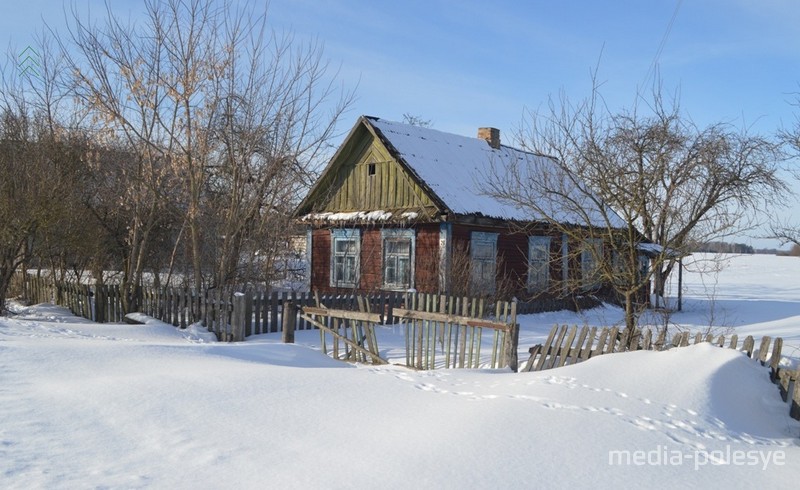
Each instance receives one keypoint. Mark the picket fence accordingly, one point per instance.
(568, 345)
(235, 315)
(232, 315)
(440, 332)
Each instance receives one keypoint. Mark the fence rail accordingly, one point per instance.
(182, 306)
(453, 328)
(215, 309)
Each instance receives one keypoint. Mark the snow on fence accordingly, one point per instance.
(566, 346)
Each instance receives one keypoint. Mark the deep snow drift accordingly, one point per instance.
(86, 405)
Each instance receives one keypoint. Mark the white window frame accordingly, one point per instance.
(591, 254)
(538, 263)
(346, 257)
(483, 269)
(392, 259)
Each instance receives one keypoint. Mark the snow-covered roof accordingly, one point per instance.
(653, 249)
(451, 166)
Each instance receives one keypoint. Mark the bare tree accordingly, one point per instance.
(613, 181)
(226, 121)
(269, 134)
(39, 162)
(787, 230)
(417, 120)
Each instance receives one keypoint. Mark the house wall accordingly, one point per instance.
(321, 260)
(426, 262)
(371, 260)
(512, 252)
(426, 257)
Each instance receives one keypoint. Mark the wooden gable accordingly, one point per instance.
(365, 176)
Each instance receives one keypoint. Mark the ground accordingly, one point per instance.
(122, 406)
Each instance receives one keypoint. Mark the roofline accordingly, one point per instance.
(361, 120)
(443, 207)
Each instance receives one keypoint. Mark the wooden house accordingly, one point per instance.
(398, 208)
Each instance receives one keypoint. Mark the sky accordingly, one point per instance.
(462, 64)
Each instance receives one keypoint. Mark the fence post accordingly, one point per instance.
(99, 303)
(511, 347)
(237, 318)
(794, 396)
(288, 319)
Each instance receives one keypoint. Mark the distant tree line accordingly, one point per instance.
(742, 248)
(173, 147)
(724, 247)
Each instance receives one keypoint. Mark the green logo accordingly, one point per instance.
(29, 62)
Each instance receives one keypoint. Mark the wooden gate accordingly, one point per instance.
(432, 339)
(352, 333)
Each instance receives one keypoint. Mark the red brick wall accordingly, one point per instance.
(371, 260)
(512, 249)
(321, 260)
(426, 262)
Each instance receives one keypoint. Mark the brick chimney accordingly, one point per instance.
(491, 135)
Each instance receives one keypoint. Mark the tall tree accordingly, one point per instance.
(637, 176)
(224, 117)
(39, 162)
(787, 230)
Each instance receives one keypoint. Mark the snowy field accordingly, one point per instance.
(84, 405)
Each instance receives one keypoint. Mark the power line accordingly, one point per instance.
(657, 56)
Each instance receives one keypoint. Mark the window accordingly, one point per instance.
(538, 263)
(345, 253)
(621, 268)
(591, 255)
(483, 260)
(398, 258)
(644, 267)
(371, 169)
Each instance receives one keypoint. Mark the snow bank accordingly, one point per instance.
(130, 406)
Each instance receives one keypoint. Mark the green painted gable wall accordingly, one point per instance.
(347, 185)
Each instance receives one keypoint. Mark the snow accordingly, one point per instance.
(453, 167)
(132, 406)
(373, 216)
(363, 216)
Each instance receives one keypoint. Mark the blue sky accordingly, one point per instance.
(464, 64)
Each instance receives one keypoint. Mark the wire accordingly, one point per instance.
(651, 70)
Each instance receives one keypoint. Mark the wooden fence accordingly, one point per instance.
(352, 333)
(566, 346)
(453, 327)
(231, 315)
(182, 306)
(456, 326)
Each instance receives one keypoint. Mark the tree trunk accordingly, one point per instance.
(630, 319)
(196, 265)
(6, 273)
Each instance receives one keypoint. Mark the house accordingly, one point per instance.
(399, 207)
